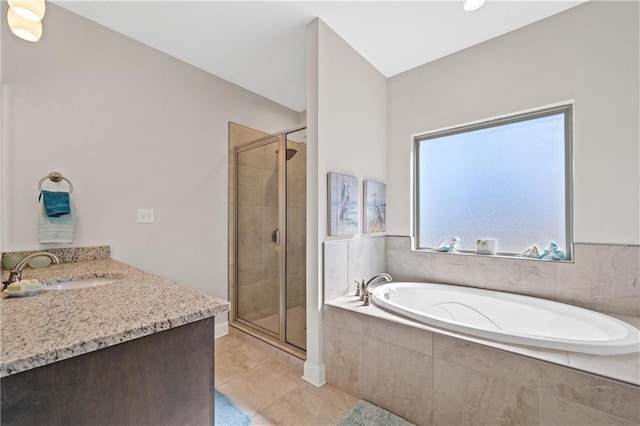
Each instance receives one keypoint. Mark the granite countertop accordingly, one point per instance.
(56, 325)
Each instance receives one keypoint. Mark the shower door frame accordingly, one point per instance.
(281, 337)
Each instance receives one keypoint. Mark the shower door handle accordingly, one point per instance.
(275, 236)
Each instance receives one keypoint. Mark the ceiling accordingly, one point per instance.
(261, 45)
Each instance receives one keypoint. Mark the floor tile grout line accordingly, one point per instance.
(299, 384)
(329, 402)
(277, 400)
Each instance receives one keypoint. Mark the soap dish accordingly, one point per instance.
(24, 293)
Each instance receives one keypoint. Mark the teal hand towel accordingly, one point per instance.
(56, 203)
(61, 229)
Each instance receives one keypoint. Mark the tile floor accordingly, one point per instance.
(271, 391)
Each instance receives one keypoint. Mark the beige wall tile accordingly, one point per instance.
(513, 275)
(254, 157)
(558, 412)
(380, 253)
(399, 334)
(270, 261)
(502, 365)
(530, 277)
(343, 359)
(615, 398)
(269, 188)
(269, 223)
(398, 379)
(250, 187)
(336, 282)
(364, 258)
(343, 319)
(402, 263)
(467, 397)
(605, 278)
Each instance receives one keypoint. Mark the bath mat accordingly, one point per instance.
(366, 414)
(227, 414)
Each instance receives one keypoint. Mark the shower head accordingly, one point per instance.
(291, 152)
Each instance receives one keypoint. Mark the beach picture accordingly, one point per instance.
(343, 204)
(375, 217)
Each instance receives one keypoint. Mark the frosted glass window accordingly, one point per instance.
(506, 180)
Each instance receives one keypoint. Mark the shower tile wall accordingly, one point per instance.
(259, 286)
(238, 135)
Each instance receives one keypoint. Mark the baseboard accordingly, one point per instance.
(221, 329)
(314, 374)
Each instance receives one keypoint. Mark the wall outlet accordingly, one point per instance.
(146, 216)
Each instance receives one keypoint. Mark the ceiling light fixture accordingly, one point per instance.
(32, 10)
(24, 28)
(471, 5)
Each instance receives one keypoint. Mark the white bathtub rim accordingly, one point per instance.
(628, 344)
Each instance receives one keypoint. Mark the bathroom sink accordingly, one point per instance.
(82, 283)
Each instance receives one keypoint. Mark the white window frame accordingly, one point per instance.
(564, 108)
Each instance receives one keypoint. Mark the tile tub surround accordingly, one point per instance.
(604, 278)
(625, 368)
(73, 254)
(348, 260)
(56, 325)
(432, 378)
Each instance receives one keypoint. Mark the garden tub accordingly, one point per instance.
(510, 318)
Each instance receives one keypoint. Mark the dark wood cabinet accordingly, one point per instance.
(166, 378)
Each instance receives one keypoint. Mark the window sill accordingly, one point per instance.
(499, 255)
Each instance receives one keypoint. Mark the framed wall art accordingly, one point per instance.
(343, 204)
(375, 200)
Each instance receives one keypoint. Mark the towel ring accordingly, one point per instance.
(55, 177)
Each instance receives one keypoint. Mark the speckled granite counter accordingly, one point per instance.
(56, 325)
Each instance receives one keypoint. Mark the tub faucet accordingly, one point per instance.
(365, 291)
(16, 273)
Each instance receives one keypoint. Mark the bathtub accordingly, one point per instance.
(510, 318)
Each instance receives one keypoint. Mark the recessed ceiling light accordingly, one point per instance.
(471, 5)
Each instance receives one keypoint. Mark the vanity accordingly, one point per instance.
(139, 350)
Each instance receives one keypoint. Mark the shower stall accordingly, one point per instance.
(269, 238)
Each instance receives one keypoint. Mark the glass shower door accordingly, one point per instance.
(258, 239)
(296, 209)
(269, 271)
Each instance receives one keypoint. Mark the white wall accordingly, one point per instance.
(347, 130)
(130, 127)
(590, 54)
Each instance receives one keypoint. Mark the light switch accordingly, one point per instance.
(146, 216)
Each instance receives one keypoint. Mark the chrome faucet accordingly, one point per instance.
(365, 288)
(16, 273)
